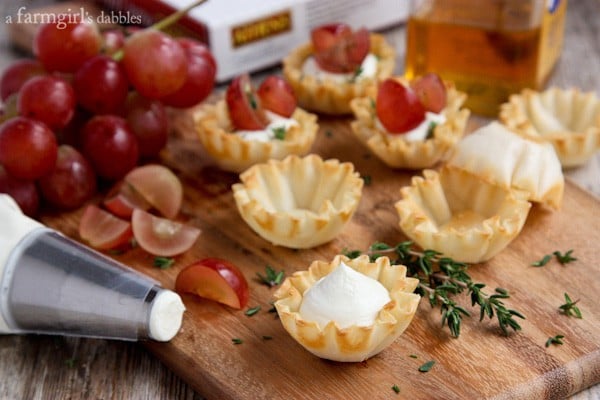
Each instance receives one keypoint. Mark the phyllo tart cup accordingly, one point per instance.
(298, 202)
(328, 96)
(498, 155)
(461, 215)
(234, 153)
(568, 119)
(353, 343)
(398, 152)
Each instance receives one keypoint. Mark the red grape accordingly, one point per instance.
(101, 85)
(338, 49)
(24, 192)
(277, 95)
(149, 122)
(431, 91)
(244, 105)
(398, 107)
(17, 74)
(48, 99)
(110, 146)
(112, 41)
(65, 48)
(200, 78)
(72, 181)
(155, 63)
(28, 148)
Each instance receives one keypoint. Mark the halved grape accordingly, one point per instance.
(159, 186)
(28, 149)
(431, 91)
(72, 181)
(155, 63)
(111, 147)
(65, 48)
(122, 199)
(398, 107)
(101, 85)
(339, 50)
(245, 109)
(161, 236)
(102, 230)
(48, 99)
(17, 74)
(277, 95)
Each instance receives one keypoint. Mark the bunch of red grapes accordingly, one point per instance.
(91, 107)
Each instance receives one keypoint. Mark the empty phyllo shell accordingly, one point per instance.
(398, 150)
(460, 215)
(497, 155)
(298, 202)
(233, 152)
(347, 309)
(568, 119)
(332, 96)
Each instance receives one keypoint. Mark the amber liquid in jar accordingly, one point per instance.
(489, 51)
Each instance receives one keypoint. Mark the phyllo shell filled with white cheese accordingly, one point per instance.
(398, 152)
(568, 119)
(298, 202)
(234, 153)
(328, 96)
(497, 155)
(460, 215)
(353, 343)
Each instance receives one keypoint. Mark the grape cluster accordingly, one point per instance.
(91, 106)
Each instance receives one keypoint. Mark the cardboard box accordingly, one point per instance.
(249, 35)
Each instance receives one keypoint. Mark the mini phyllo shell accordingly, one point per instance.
(398, 152)
(460, 215)
(330, 96)
(498, 155)
(352, 343)
(234, 153)
(298, 202)
(568, 119)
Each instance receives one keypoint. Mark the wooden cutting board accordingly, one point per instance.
(481, 363)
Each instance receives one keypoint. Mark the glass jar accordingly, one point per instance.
(488, 48)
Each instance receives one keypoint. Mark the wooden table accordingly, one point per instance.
(51, 367)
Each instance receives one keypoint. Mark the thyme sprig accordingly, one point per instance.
(271, 277)
(570, 308)
(557, 339)
(441, 279)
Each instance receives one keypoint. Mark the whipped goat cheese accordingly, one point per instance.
(418, 133)
(368, 70)
(345, 296)
(276, 122)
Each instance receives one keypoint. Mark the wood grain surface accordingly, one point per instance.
(39, 367)
(480, 364)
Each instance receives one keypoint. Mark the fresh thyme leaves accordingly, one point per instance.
(279, 132)
(367, 179)
(564, 258)
(237, 341)
(271, 277)
(555, 340)
(561, 258)
(163, 262)
(413, 356)
(396, 389)
(267, 337)
(427, 366)
(543, 261)
(329, 133)
(431, 130)
(357, 72)
(440, 279)
(71, 362)
(252, 311)
(570, 308)
(373, 104)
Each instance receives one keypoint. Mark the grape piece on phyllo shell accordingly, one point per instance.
(253, 125)
(337, 65)
(410, 124)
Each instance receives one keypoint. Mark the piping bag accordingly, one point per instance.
(50, 284)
